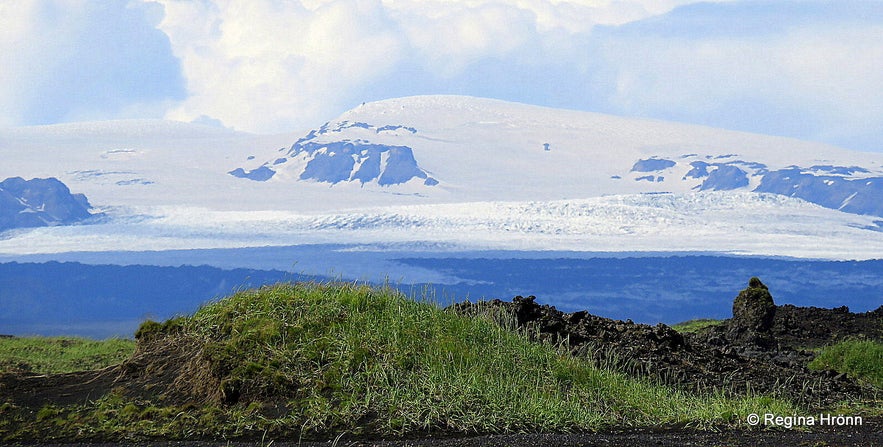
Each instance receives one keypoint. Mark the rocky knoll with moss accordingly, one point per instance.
(301, 361)
(753, 314)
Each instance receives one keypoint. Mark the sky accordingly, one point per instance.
(808, 69)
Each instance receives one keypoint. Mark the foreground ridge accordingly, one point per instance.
(308, 360)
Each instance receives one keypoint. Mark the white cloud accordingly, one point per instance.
(259, 66)
(448, 40)
(810, 69)
(838, 77)
(79, 59)
(271, 66)
(16, 26)
(805, 75)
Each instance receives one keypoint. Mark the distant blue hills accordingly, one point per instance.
(70, 298)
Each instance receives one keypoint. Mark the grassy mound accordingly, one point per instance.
(315, 360)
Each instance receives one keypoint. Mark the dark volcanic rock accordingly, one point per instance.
(789, 327)
(712, 360)
(813, 327)
(39, 202)
(753, 314)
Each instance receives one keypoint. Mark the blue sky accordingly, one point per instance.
(807, 69)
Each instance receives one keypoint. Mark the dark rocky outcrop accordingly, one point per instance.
(260, 174)
(758, 325)
(364, 162)
(762, 348)
(346, 159)
(813, 327)
(725, 178)
(753, 314)
(39, 202)
(828, 187)
(652, 164)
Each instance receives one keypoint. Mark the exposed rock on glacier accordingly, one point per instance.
(39, 202)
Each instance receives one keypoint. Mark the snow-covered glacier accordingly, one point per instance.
(721, 222)
(460, 172)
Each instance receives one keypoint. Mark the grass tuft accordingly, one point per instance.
(862, 359)
(53, 355)
(693, 326)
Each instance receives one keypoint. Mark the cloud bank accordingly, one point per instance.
(270, 66)
(801, 69)
(84, 60)
(808, 69)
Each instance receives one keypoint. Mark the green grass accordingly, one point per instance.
(356, 353)
(862, 359)
(693, 326)
(51, 355)
(315, 360)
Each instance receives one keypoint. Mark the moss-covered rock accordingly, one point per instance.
(753, 314)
